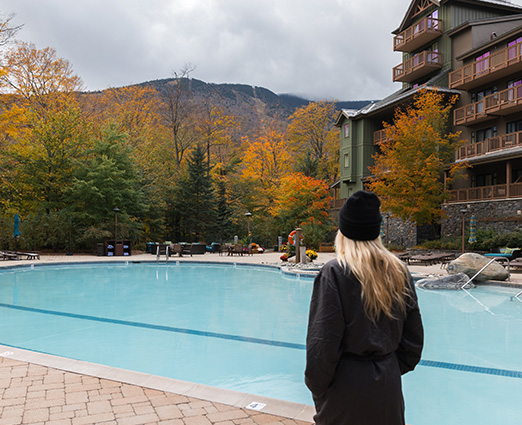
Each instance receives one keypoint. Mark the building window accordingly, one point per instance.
(514, 48)
(482, 180)
(346, 160)
(486, 133)
(514, 126)
(482, 63)
(347, 130)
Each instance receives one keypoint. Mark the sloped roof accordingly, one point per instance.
(394, 99)
(503, 4)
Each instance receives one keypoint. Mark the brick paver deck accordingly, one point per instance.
(38, 395)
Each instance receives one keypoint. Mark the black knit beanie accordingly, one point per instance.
(360, 218)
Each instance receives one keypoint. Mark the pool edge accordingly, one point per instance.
(290, 410)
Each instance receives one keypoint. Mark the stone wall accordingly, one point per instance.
(400, 233)
(503, 216)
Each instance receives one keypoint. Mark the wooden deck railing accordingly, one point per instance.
(499, 63)
(492, 144)
(504, 102)
(417, 35)
(418, 66)
(485, 193)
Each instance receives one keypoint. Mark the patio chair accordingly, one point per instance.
(237, 249)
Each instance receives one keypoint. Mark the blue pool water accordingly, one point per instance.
(244, 328)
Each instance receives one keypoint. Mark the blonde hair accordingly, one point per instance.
(381, 274)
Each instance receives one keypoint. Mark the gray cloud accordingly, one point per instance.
(322, 49)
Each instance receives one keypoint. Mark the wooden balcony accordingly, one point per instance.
(418, 66)
(498, 65)
(418, 35)
(486, 193)
(505, 102)
(492, 144)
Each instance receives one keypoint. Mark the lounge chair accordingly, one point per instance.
(431, 258)
(9, 255)
(29, 255)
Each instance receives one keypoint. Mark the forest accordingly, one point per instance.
(179, 166)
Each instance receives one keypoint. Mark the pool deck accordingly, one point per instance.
(43, 389)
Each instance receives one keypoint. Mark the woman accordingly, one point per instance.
(365, 327)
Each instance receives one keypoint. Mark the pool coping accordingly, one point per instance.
(286, 409)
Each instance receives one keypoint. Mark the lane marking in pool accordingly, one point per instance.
(427, 363)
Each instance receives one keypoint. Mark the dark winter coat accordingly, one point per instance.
(354, 366)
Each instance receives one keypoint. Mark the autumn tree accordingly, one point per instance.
(303, 201)
(178, 113)
(266, 157)
(314, 138)
(48, 130)
(134, 109)
(214, 127)
(7, 29)
(408, 170)
(42, 81)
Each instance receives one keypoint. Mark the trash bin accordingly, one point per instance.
(100, 250)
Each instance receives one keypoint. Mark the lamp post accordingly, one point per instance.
(248, 215)
(463, 211)
(116, 211)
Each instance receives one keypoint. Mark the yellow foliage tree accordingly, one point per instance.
(266, 159)
(311, 131)
(408, 170)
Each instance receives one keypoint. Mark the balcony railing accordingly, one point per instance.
(485, 193)
(499, 64)
(418, 66)
(418, 35)
(505, 102)
(492, 144)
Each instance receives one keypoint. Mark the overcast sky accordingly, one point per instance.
(321, 49)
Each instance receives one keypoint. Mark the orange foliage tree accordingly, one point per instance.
(303, 201)
(408, 170)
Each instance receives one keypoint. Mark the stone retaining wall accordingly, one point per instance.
(503, 216)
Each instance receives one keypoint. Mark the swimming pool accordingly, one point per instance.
(243, 328)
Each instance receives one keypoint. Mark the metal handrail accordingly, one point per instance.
(517, 296)
(482, 269)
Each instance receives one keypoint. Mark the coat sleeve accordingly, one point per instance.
(325, 333)
(412, 340)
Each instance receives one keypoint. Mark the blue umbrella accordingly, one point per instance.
(16, 226)
(472, 229)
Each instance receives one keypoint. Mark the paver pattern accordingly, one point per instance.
(37, 395)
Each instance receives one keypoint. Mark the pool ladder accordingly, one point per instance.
(166, 254)
(480, 271)
(515, 297)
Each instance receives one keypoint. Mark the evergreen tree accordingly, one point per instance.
(194, 204)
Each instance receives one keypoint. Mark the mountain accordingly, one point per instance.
(249, 102)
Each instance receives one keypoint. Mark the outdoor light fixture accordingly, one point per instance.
(116, 211)
(248, 214)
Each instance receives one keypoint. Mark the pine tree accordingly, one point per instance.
(195, 203)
